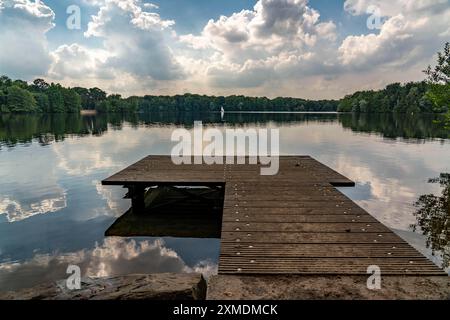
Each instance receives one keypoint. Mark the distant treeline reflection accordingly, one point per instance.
(47, 128)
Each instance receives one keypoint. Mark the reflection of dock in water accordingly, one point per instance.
(295, 222)
(174, 212)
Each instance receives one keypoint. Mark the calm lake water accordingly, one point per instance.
(54, 212)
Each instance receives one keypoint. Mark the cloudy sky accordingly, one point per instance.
(310, 49)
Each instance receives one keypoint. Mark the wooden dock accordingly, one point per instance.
(295, 222)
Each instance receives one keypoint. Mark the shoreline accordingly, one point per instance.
(193, 286)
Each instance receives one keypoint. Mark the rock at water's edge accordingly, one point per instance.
(162, 286)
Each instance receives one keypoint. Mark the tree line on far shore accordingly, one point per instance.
(408, 98)
(17, 96)
(430, 96)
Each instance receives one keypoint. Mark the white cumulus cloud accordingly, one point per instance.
(275, 39)
(136, 40)
(411, 34)
(23, 27)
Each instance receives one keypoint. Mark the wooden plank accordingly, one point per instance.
(295, 222)
(293, 218)
(287, 204)
(295, 211)
(301, 237)
(315, 227)
(319, 250)
(339, 266)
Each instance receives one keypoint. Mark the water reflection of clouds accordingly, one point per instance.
(29, 186)
(390, 200)
(115, 205)
(78, 163)
(16, 211)
(23, 195)
(115, 256)
(115, 149)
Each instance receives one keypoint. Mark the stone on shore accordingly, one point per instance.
(163, 286)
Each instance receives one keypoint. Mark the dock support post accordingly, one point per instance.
(137, 195)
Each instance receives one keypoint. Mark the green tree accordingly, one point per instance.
(441, 72)
(363, 106)
(355, 106)
(439, 95)
(103, 106)
(96, 96)
(439, 80)
(3, 106)
(56, 99)
(412, 101)
(39, 85)
(21, 84)
(90, 97)
(42, 102)
(72, 101)
(20, 100)
(5, 81)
